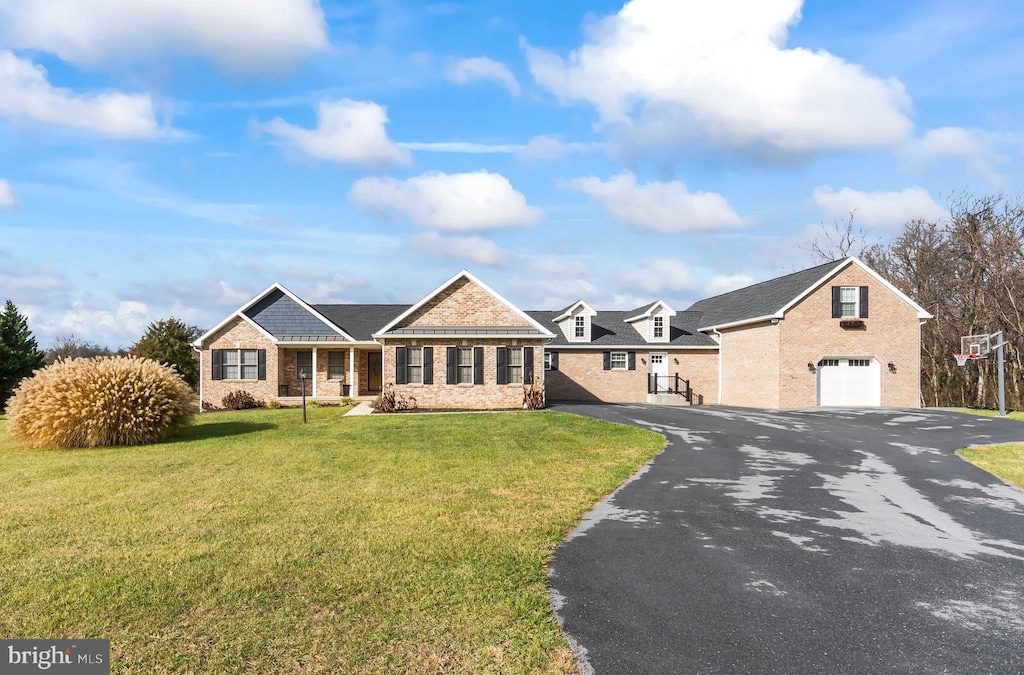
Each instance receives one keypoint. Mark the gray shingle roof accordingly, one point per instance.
(762, 299)
(278, 314)
(609, 329)
(361, 321)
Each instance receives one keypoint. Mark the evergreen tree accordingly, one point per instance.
(19, 353)
(169, 341)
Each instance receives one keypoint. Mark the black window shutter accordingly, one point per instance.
(631, 356)
(607, 360)
(837, 305)
(452, 363)
(215, 364)
(478, 365)
(428, 365)
(261, 360)
(527, 365)
(399, 365)
(863, 302)
(554, 360)
(502, 365)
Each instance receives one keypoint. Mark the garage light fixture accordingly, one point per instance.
(892, 367)
(810, 367)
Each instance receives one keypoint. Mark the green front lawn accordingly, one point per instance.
(1005, 460)
(256, 544)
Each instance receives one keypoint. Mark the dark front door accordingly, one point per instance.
(373, 365)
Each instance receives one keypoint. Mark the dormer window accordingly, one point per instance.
(581, 327)
(659, 327)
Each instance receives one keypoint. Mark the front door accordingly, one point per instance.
(659, 373)
(373, 365)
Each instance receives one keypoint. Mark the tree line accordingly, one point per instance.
(168, 341)
(968, 272)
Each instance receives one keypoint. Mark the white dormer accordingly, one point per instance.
(575, 321)
(654, 323)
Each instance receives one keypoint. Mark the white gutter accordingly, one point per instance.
(719, 366)
(733, 324)
(200, 352)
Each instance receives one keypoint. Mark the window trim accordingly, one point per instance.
(459, 365)
(512, 369)
(547, 360)
(625, 361)
(299, 367)
(844, 303)
(239, 364)
(659, 327)
(580, 327)
(409, 365)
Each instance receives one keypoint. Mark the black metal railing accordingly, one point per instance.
(669, 384)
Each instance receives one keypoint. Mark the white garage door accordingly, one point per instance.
(849, 382)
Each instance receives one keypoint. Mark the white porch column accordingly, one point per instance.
(352, 372)
(314, 372)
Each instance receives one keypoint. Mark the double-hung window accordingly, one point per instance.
(465, 365)
(515, 365)
(414, 365)
(335, 365)
(250, 364)
(659, 326)
(547, 360)
(239, 364)
(304, 363)
(229, 364)
(581, 326)
(848, 301)
(619, 361)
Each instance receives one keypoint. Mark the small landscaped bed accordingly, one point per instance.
(259, 544)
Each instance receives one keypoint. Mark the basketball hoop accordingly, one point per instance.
(962, 359)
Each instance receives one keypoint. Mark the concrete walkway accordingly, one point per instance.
(364, 408)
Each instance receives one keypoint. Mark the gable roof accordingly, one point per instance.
(567, 312)
(464, 274)
(609, 329)
(361, 321)
(646, 311)
(296, 314)
(771, 299)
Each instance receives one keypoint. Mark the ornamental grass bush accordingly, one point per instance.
(109, 400)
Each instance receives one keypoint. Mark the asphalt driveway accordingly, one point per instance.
(838, 541)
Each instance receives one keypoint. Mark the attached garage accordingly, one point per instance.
(849, 382)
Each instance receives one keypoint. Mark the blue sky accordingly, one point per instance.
(165, 158)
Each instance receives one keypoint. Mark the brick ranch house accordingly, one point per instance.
(835, 334)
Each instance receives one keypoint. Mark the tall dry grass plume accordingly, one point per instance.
(85, 403)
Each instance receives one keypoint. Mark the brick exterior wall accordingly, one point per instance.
(239, 334)
(487, 396)
(750, 366)
(463, 303)
(581, 375)
(892, 333)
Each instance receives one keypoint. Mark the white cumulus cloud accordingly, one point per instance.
(472, 249)
(240, 36)
(351, 132)
(973, 147)
(658, 275)
(26, 96)
(674, 71)
(7, 200)
(483, 68)
(879, 209)
(662, 207)
(478, 200)
(723, 283)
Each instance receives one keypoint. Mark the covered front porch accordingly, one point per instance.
(332, 372)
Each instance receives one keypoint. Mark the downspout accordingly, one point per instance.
(199, 351)
(719, 334)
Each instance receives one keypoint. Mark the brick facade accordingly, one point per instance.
(463, 303)
(486, 396)
(238, 334)
(764, 365)
(581, 375)
(891, 334)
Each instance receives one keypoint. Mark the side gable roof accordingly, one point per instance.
(361, 321)
(773, 298)
(290, 312)
(464, 274)
(609, 329)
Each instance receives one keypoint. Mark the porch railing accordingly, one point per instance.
(669, 384)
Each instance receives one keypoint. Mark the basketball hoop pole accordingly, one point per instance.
(1000, 347)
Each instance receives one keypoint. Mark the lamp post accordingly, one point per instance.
(302, 378)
